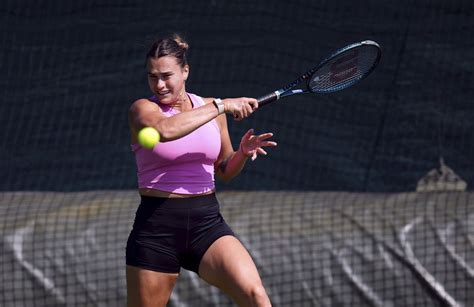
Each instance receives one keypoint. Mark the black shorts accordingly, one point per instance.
(170, 233)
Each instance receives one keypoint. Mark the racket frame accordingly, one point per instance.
(287, 90)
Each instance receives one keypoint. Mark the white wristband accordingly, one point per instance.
(219, 105)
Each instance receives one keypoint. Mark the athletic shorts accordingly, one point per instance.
(170, 233)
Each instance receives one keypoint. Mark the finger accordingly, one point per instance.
(245, 112)
(253, 103)
(254, 156)
(249, 109)
(264, 136)
(261, 151)
(247, 135)
(269, 144)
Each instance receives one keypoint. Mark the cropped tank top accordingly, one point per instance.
(185, 165)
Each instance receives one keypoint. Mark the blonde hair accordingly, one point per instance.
(181, 42)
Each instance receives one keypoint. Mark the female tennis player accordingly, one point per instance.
(178, 224)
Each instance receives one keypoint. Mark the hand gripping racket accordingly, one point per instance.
(342, 69)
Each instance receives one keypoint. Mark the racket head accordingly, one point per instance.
(345, 67)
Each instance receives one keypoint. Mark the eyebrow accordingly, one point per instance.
(159, 73)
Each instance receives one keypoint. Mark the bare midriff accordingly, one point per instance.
(164, 194)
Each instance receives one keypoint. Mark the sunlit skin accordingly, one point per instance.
(226, 264)
(167, 80)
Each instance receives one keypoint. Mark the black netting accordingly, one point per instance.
(70, 70)
(395, 151)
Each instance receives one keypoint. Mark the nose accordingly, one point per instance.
(160, 84)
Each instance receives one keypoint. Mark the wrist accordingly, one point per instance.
(219, 105)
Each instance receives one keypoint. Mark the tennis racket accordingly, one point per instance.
(342, 69)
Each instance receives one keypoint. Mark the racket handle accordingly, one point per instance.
(264, 100)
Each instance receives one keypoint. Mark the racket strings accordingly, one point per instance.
(344, 70)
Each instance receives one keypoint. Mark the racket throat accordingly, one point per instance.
(278, 94)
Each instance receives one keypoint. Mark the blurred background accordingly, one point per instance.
(70, 71)
(353, 172)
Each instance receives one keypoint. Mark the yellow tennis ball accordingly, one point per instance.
(148, 137)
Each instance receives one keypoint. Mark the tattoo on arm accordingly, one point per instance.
(223, 165)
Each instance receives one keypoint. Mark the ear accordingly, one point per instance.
(186, 72)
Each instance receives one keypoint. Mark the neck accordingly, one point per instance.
(183, 103)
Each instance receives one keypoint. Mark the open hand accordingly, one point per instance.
(251, 145)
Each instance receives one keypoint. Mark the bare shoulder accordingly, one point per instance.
(144, 112)
(143, 105)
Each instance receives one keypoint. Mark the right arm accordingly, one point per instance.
(145, 113)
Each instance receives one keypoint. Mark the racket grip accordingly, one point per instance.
(264, 100)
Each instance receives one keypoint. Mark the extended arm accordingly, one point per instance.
(145, 113)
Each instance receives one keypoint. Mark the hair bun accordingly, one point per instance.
(180, 41)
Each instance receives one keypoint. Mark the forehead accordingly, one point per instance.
(162, 64)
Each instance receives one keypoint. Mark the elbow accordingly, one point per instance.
(166, 137)
(167, 133)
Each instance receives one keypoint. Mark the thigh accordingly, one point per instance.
(228, 266)
(148, 288)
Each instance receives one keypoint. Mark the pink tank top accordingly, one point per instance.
(185, 165)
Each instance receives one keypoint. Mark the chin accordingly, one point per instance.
(166, 99)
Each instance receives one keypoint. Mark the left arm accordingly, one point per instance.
(230, 163)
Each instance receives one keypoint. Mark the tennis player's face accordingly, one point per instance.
(166, 78)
